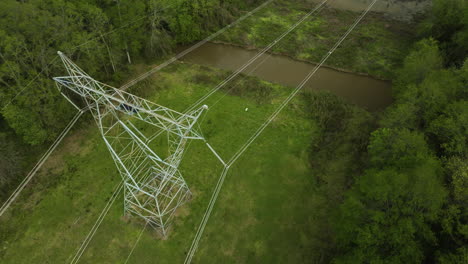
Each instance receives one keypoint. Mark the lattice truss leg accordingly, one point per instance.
(145, 140)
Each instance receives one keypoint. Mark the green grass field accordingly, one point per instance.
(55, 213)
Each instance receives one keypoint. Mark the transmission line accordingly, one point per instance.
(301, 85)
(96, 225)
(105, 210)
(38, 165)
(136, 242)
(226, 167)
(65, 131)
(196, 240)
(258, 55)
(192, 48)
(74, 49)
(269, 55)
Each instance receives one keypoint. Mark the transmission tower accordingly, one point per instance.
(146, 141)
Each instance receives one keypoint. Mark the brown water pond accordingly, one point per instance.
(364, 91)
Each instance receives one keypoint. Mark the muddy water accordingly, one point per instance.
(367, 92)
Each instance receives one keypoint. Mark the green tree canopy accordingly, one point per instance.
(422, 60)
(451, 129)
(387, 215)
(448, 23)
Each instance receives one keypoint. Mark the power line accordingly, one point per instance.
(196, 240)
(235, 157)
(24, 88)
(192, 48)
(39, 164)
(206, 216)
(98, 222)
(270, 54)
(73, 50)
(300, 86)
(61, 136)
(136, 242)
(220, 182)
(226, 167)
(258, 55)
(96, 225)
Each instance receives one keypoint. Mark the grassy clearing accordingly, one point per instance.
(55, 213)
(375, 47)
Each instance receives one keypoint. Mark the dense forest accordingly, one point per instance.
(401, 194)
(409, 202)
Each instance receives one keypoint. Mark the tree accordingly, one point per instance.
(10, 160)
(449, 25)
(387, 215)
(421, 100)
(402, 115)
(451, 129)
(101, 36)
(422, 60)
(454, 220)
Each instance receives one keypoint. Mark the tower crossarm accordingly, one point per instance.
(106, 97)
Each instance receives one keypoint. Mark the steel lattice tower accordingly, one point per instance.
(146, 141)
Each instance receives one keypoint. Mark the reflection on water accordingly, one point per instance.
(364, 91)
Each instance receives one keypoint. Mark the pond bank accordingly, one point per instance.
(251, 48)
(367, 92)
(375, 48)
